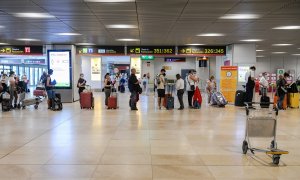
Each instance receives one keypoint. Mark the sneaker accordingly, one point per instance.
(159, 107)
(134, 109)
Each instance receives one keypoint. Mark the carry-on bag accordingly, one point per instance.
(240, 97)
(39, 93)
(264, 101)
(56, 102)
(112, 102)
(86, 100)
(169, 99)
(218, 99)
(293, 100)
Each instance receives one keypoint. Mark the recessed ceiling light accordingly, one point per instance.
(260, 56)
(34, 15)
(278, 52)
(127, 40)
(85, 44)
(121, 26)
(27, 39)
(287, 27)
(259, 50)
(252, 40)
(298, 48)
(195, 44)
(109, 1)
(296, 54)
(211, 34)
(1, 26)
(68, 34)
(282, 44)
(3, 43)
(240, 16)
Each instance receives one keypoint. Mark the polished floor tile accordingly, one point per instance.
(100, 144)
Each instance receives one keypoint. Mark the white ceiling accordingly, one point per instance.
(160, 22)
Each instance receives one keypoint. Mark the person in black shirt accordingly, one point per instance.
(49, 85)
(281, 89)
(81, 83)
(133, 85)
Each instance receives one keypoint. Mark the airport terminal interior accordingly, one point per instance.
(72, 110)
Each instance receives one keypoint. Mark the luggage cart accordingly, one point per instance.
(262, 123)
(28, 102)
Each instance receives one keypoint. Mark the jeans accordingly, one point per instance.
(107, 94)
(180, 98)
(190, 97)
(133, 99)
(50, 94)
(13, 95)
(263, 91)
(280, 101)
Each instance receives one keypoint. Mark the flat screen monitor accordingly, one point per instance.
(60, 62)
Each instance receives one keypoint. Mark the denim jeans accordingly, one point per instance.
(280, 101)
(133, 99)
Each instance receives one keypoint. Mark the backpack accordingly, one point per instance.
(158, 79)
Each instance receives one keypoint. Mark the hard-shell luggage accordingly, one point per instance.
(112, 102)
(86, 100)
(122, 88)
(169, 99)
(6, 106)
(293, 100)
(39, 93)
(265, 102)
(284, 104)
(170, 103)
(240, 97)
(218, 99)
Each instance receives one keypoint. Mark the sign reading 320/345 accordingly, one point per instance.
(150, 50)
(202, 50)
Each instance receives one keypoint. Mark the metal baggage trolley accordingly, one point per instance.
(262, 123)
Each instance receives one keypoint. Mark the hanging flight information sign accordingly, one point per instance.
(202, 50)
(100, 50)
(151, 50)
(60, 62)
(21, 50)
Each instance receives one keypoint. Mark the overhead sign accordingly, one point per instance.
(202, 50)
(21, 50)
(228, 82)
(174, 59)
(147, 57)
(151, 50)
(60, 62)
(35, 61)
(100, 50)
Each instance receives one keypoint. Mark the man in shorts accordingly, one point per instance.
(161, 87)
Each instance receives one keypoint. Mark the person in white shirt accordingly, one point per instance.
(250, 84)
(264, 84)
(211, 87)
(180, 90)
(161, 87)
(191, 82)
(145, 83)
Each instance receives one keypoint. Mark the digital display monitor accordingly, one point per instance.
(60, 62)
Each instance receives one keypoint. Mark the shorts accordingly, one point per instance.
(161, 93)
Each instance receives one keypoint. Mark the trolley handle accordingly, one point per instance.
(263, 103)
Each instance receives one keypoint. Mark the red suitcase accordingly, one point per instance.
(112, 102)
(39, 93)
(86, 100)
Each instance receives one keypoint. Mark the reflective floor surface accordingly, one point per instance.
(139, 145)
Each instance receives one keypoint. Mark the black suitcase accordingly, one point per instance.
(265, 102)
(170, 103)
(240, 97)
(56, 103)
(6, 105)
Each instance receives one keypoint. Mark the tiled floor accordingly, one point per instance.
(147, 144)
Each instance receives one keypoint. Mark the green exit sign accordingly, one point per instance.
(147, 57)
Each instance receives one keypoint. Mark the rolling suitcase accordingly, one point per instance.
(6, 106)
(218, 99)
(56, 103)
(39, 93)
(284, 104)
(169, 99)
(240, 97)
(170, 103)
(86, 100)
(293, 100)
(112, 102)
(265, 102)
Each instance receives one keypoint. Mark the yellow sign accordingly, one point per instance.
(228, 83)
(136, 63)
(96, 69)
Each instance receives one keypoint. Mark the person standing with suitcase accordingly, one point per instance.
(160, 80)
(191, 81)
(81, 83)
(264, 84)
(281, 90)
(107, 88)
(250, 84)
(134, 86)
(180, 90)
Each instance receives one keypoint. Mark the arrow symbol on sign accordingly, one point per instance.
(2, 50)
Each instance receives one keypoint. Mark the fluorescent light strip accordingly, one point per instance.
(68, 34)
(287, 27)
(282, 44)
(33, 15)
(252, 40)
(27, 39)
(296, 54)
(127, 40)
(259, 50)
(2, 26)
(211, 34)
(194, 44)
(109, 1)
(3, 43)
(121, 26)
(278, 52)
(260, 56)
(85, 44)
(240, 16)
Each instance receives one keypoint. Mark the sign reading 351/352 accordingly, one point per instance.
(202, 50)
(150, 50)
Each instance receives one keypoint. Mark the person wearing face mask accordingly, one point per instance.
(264, 84)
(81, 83)
(192, 81)
(161, 87)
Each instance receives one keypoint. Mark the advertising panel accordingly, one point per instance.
(136, 63)
(96, 69)
(228, 83)
(242, 73)
(60, 62)
(151, 50)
